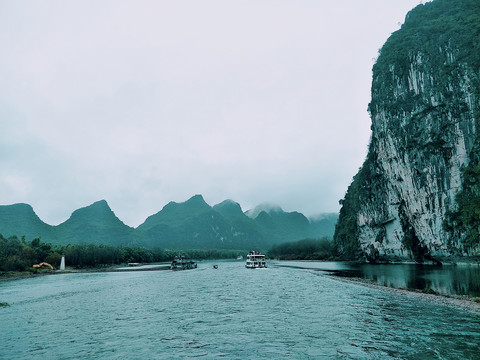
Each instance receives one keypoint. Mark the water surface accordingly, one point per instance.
(231, 312)
(444, 280)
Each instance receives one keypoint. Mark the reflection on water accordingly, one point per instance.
(445, 280)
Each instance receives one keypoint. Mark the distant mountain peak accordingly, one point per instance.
(20, 219)
(197, 199)
(174, 211)
(19, 207)
(195, 202)
(266, 207)
(189, 224)
(100, 204)
(99, 209)
(97, 205)
(228, 203)
(229, 208)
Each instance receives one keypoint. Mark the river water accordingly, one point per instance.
(444, 280)
(230, 312)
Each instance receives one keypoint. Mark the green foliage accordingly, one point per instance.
(307, 249)
(16, 255)
(464, 222)
(345, 240)
(41, 250)
(430, 30)
(210, 254)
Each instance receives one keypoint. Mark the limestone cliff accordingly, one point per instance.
(425, 118)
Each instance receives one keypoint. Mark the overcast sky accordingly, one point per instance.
(143, 102)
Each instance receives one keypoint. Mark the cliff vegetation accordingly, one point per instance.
(417, 196)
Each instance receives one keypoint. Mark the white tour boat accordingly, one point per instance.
(255, 260)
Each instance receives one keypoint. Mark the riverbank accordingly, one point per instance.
(17, 275)
(470, 304)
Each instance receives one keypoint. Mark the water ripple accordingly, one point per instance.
(231, 313)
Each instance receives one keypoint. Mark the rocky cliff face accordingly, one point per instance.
(425, 114)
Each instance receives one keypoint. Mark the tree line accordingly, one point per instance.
(20, 255)
(307, 249)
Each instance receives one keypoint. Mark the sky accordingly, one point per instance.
(143, 102)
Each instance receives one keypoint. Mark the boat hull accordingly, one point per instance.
(255, 267)
(255, 260)
(179, 263)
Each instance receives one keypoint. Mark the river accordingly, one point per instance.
(230, 312)
(444, 280)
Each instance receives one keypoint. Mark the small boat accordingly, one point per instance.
(255, 260)
(239, 257)
(179, 263)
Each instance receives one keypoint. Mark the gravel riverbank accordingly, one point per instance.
(463, 302)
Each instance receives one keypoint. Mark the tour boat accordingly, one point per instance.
(255, 260)
(179, 263)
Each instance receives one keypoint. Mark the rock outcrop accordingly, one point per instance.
(425, 115)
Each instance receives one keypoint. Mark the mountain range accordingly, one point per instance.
(192, 224)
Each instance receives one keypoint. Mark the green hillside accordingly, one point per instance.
(278, 226)
(21, 220)
(95, 224)
(192, 224)
(246, 232)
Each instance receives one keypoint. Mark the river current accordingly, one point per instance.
(230, 312)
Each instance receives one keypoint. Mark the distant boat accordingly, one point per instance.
(255, 260)
(179, 263)
(239, 257)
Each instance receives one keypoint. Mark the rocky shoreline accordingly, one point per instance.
(469, 304)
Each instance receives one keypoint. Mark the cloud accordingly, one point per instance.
(143, 102)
